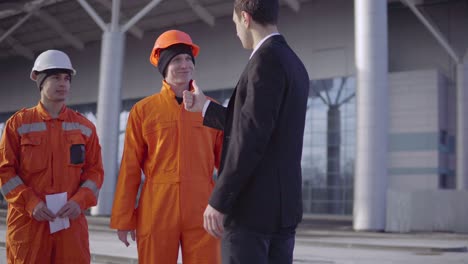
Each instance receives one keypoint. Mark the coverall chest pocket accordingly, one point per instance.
(76, 150)
(162, 138)
(202, 145)
(34, 155)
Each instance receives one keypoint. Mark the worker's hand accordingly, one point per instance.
(42, 213)
(71, 210)
(213, 222)
(122, 234)
(194, 101)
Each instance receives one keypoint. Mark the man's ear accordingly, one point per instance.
(246, 19)
(34, 75)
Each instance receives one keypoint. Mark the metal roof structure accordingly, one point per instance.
(30, 26)
(27, 27)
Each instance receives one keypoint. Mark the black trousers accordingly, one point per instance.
(242, 246)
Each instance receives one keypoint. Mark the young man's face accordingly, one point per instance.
(56, 87)
(241, 30)
(180, 70)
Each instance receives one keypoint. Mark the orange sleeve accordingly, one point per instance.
(93, 173)
(16, 193)
(123, 215)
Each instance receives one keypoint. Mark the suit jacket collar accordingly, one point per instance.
(268, 42)
(262, 41)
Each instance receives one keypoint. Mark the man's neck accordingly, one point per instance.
(53, 108)
(260, 32)
(179, 89)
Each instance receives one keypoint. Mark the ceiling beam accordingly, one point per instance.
(10, 6)
(59, 28)
(295, 5)
(134, 30)
(432, 27)
(143, 12)
(26, 8)
(202, 12)
(93, 14)
(29, 8)
(19, 48)
(15, 26)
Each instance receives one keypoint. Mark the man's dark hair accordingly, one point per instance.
(264, 12)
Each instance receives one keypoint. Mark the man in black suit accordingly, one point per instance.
(257, 202)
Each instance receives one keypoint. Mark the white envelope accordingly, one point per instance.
(55, 202)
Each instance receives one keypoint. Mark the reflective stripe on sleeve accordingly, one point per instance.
(67, 126)
(33, 127)
(10, 185)
(92, 186)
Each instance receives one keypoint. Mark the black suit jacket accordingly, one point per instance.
(259, 184)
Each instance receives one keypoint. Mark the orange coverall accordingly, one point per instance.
(177, 155)
(35, 160)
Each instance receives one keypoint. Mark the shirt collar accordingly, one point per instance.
(45, 114)
(261, 42)
(167, 88)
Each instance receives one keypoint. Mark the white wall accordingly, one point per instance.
(410, 211)
(418, 112)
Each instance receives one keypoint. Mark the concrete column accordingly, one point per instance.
(108, 114)
(109, 100)
(370, 185)
(462, 126)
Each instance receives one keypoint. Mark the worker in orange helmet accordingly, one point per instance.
(177, 155)
(44, 150)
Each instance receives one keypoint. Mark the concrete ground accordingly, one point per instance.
(318, 241)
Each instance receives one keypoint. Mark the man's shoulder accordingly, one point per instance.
(277, 53)
(273, 51)
(147, 102)
(24, 116)
(26, 110)
(148, 99)
(80, 118)
(22, 113)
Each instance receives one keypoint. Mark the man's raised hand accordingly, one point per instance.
(194, 101)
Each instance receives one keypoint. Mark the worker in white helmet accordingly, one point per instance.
(49, 149)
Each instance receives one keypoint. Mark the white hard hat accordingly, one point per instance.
(51, 59)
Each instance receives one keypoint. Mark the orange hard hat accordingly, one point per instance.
(170, 38)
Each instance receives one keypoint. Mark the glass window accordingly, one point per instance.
(329, 147)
